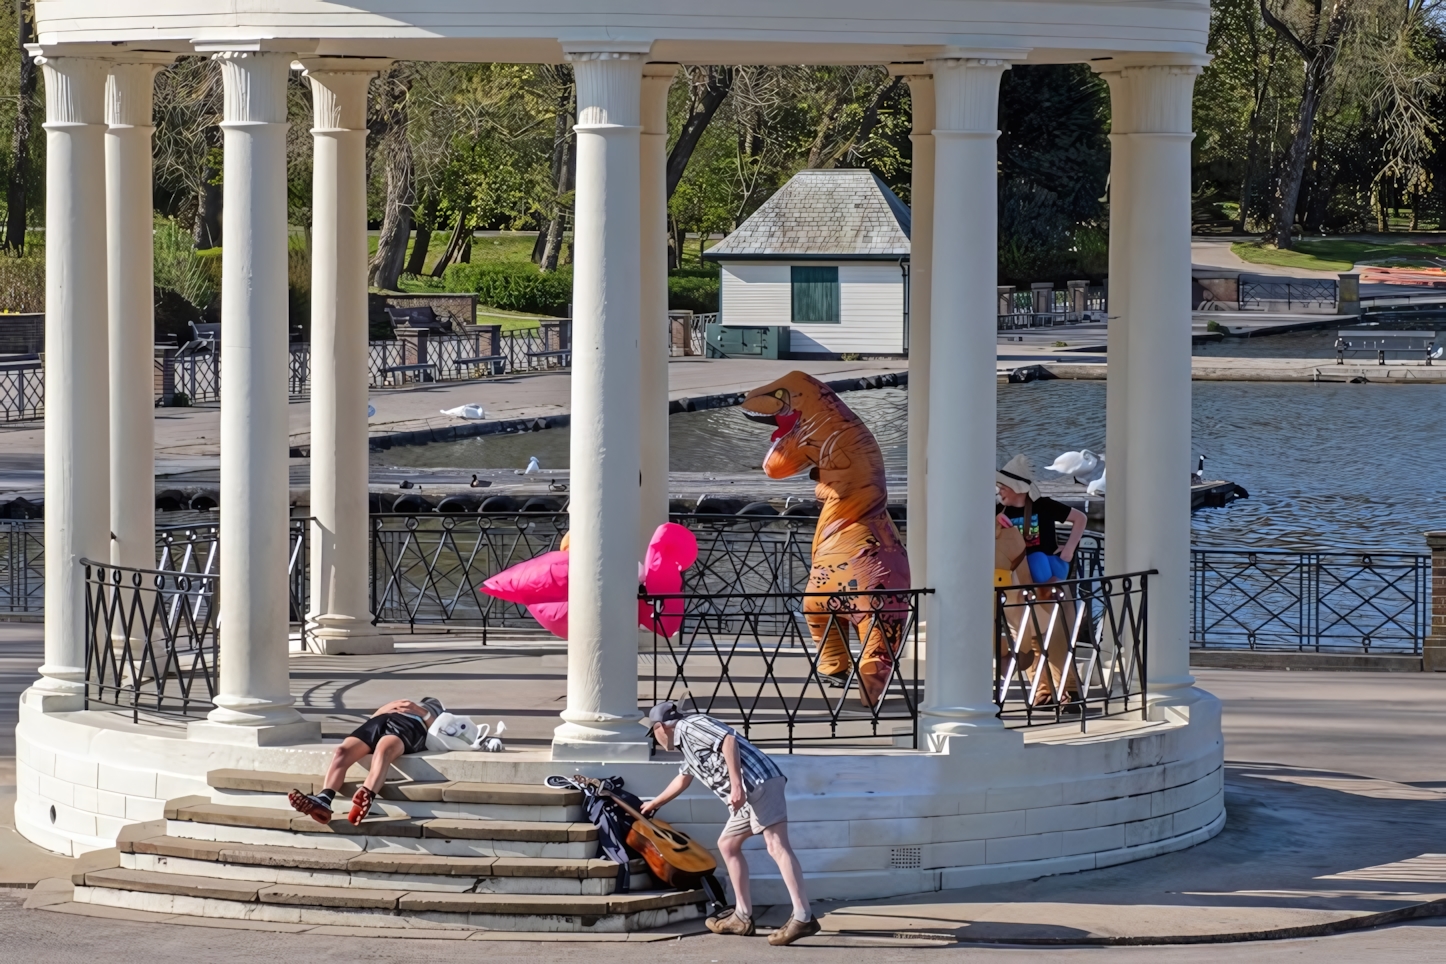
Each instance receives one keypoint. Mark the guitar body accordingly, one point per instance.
(673, 857)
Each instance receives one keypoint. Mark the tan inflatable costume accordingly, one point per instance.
(856, 546)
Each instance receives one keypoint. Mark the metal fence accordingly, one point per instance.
(1285, 294)
(754, 661)
(22, 390)
(1071, 650)
(1310, 601)
(1051, 307)
(22, 566)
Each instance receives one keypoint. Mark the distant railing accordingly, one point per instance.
(750, 660)
(688, 334)
(1259, 294)
(1362, 602)
(1071, 651)
(22, 390)
(1045, 307)
(22, 565)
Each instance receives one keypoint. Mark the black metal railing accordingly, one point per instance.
(1260, 294)
(22, 565)
(1073, 650)
(22, 389)
(150, 639)
(751, 660)
(1363, 602)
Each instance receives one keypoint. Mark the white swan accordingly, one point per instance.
(469, 411)
(533, 466)
(1097, 487)
(1075, 464)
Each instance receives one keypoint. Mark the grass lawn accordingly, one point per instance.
(1339, 254)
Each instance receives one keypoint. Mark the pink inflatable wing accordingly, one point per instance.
(542, 579)
(672, 549)
(552, 616)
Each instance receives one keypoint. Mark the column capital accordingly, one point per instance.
(609, 89)
(966, 93)
(339, 92)
(576, 51)
(74, 90)
(129, 93)
(1151, 98)
(255, 86)
(657, 80)
(921, 103)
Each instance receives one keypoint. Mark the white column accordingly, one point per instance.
(600, 722)
(130, 285)
(961, 446)
(1117, 409)
(254, 704)
(340, 620)
(77, 460)
(653, 351)
(921, 275)
(1151, 109)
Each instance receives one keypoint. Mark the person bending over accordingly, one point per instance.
(751, 785)
(1036, 515)
(397, 728)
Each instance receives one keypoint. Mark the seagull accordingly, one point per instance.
(1437, 353)
(533, 467)
(1097, 487)
(1075, 464)
(469, 411)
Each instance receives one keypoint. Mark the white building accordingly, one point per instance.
(827, 256)
(975, 802)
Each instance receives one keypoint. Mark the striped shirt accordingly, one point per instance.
(700, 739)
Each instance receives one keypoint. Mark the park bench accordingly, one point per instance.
(563, 356)
(204, 336)
(420, 318)
(493, 363)
(420, 369)
(1403, 344)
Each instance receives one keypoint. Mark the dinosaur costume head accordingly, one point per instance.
(814, 429)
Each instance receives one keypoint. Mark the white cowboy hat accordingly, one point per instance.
(1018, 475)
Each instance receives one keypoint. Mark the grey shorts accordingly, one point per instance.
(766, 806)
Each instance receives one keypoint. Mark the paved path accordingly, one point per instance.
(1336, 797)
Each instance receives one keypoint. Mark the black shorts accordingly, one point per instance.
(408, 729)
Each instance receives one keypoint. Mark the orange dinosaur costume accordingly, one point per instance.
(856, 546)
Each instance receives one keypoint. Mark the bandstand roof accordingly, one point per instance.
(839, 214)
(685, 31)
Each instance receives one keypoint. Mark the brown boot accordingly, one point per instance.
(730, 923)
(794, 930)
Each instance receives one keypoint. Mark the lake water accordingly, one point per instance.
(1327, 465)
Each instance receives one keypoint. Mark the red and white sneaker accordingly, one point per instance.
(361, 805)
(310, 804)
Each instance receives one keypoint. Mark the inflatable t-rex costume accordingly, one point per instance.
(856, 546)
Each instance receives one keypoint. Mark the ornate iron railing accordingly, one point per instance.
(1073, 650)
(751, 660)
(22, 390)
(22, 565)
(1364, 602)
(150, 639)
(1260, 294)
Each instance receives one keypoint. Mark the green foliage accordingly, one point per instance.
(514, 287)
(22, 280)
(180, 268)
(694, 290)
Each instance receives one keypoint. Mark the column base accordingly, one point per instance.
(344, 636)
(938, 723)
(49, 701)
(279, 734)
(1433, 656)
(574, 743)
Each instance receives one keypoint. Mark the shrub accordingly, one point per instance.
(22, 283)
(693, 290)
(513, 287)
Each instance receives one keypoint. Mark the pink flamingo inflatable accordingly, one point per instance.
(540, 583)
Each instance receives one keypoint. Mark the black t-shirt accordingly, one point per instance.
(1039, 535)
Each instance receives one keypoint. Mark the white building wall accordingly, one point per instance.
(871, 306)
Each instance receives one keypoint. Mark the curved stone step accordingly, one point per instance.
(211, 897)
(279, 864)
(443, 836)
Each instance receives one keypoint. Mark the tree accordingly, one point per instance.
(16, 194)
(1315, 31)
(388, 124)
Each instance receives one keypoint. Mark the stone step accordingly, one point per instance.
(294, 865)
(444, 836)
(443, 798)
(377, 907)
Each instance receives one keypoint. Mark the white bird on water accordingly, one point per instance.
(1075, 464)
(469, 411)
(1097, 487)
(533, 466)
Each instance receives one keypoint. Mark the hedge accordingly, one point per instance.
(521, 287)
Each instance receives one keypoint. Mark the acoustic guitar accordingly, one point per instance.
(673, 857)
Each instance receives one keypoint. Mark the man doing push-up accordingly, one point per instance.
(397, 728)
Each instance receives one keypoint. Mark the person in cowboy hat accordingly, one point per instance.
(1036, 515)
(750, 784)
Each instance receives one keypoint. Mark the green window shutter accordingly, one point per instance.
(815, 294)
